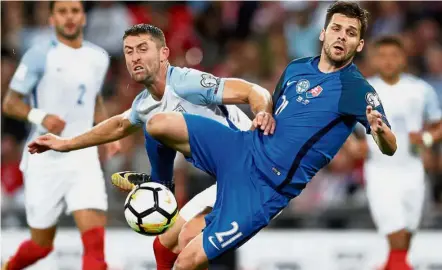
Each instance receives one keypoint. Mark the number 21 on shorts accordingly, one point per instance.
(231, 236)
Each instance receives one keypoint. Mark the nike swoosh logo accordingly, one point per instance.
(290, 83)
(211, 242)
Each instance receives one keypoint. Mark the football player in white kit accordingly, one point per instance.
(62, 79)
(170, 88)
(395, 185)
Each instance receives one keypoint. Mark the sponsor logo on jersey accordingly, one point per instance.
(179, 108)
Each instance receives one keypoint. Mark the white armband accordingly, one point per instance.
(427, 139)
(36, 116)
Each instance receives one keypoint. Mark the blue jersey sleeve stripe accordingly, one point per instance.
(34, 97)
(304, 150)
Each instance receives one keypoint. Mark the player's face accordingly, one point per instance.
(342, 39)
(143, 57)
(390, 60)
(68, 18)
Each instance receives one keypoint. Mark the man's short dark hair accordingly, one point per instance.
(389, 40)
(144, 28)
(349, 9)
(52, 5)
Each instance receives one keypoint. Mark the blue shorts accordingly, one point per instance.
(245, 203)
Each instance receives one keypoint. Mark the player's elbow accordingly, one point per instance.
(7, 106)
(389, 151)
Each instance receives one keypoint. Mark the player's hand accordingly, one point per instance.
(265, 122)
(415, 138)
(375, 120)
(48, 142)
(111, 149)
(54, 124)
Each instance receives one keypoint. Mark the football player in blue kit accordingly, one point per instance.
(318, 102)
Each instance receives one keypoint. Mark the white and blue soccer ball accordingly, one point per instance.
(150, 209)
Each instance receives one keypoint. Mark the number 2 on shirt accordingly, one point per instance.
(82, 89)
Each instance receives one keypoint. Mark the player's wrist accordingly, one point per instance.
(427, 139)
(36, 116)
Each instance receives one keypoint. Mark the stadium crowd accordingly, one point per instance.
(250, 40)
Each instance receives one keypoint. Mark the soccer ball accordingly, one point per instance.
(150, 209)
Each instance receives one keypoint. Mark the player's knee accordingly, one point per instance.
(186, 235)
(157, 124)
(185, 262)
(43, 237)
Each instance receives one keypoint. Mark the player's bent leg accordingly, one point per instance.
(171, 129)
(193, 256)
(30, 251)
(192, 228)
(165, 246)
(91, 224)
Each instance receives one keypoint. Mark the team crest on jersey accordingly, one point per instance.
(314, 92)
(179, 108)
(372, 99)
(302, 86)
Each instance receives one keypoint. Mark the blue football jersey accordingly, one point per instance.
(315, 112)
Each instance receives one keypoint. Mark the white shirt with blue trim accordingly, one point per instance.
(63, 81)
(408, 104)
(190, 91)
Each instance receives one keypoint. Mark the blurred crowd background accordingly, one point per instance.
(250, 40)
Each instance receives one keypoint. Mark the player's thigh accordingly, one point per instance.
(169, 239)
(245, 204)
(385, 203)
(199, 203)
(86, 198)
(193, 227)
(193, 256)
(214, 147)
(44, 192)
(413, 199)
(170, 128)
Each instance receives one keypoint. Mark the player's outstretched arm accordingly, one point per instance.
(381, 133)
(110, 130)
(237, 91)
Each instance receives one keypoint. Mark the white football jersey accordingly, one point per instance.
(190, 91)
(63, 81)
(408, 105)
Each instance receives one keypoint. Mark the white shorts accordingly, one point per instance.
(49, 192)
(205, 198)
(396, 201)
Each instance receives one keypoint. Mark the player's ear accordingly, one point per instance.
(360, 46)
(51, 20)
(164, 54)
(84, 21)
(322, 35)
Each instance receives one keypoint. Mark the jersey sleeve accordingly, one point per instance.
(161, 160)
(29, 71)
(197, 87)
(356, 95)
(432, 110)
(132, 113)
(103, 70)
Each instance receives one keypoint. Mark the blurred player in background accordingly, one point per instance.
(170, 88)
(62, 79)
(318, 102)
(395, 186)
